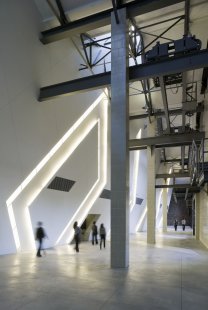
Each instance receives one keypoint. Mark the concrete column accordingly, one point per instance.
(197, 216)
(151, 197)
(119, 142)
(164, 203)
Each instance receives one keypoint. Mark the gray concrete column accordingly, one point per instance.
(151, 210)
(197, 216)
(119, 142)
(151, 192)
(164, 203)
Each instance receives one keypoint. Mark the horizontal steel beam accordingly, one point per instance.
(140, 72)
(193, 188)
(172, 175)
(75, 86)
(102, 19)
(173, 160)
(162, 113)
(170, 140)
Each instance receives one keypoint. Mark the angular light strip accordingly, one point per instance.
(94, 193)
(28, 179)
(86, 197)
(141, 219)
(34, 172)
(158, 203)
(135, 174)
(167, 189)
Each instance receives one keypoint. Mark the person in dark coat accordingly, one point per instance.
(176, 224)
(102, 232)
(77, 236)
(94, 233)
(39, 236)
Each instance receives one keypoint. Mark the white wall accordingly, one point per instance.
(28, 128)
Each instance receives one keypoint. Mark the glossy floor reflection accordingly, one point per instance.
(173, 274)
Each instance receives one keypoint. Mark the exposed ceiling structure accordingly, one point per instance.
(174, 96)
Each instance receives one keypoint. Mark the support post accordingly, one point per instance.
(119, 142)
(151, 210)
(197, 216)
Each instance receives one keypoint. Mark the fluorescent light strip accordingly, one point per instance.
(160, 222)
(158, 204)
(75, 214)
(59, 163)
(135, 174)
(102, 172)
(168, 182)
(88, 194)
(141, 219)
(30, 177)
(37, 191)
(14, 226)
(43, 162)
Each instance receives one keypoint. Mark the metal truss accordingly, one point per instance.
(134, 8)
(89, 45)
(171, 65)
(178, 19)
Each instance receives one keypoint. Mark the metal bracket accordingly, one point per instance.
(115, 7)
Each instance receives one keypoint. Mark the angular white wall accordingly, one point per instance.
(29, 129)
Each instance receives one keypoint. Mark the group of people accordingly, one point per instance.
(40, 234)
(102, 233)
(183, 223)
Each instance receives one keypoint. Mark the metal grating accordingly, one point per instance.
(61, 184)
(106, 194)
(139, 201)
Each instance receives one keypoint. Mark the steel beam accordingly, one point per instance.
(171, 140)
(102, 19)
(75, 86)
(165, 102)
(162, 113)
(172, 175)
(139, 72)
(189, 186)
(184, 79)
(174, 160)
(114, 3)
(171, 160)
(63, 17)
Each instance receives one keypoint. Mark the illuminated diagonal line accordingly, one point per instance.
(38, 168)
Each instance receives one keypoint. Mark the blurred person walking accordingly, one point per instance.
(39, 236)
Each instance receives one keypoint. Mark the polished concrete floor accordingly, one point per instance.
(173, 274)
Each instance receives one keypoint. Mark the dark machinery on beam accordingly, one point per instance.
(186, 45)
(178, 47)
